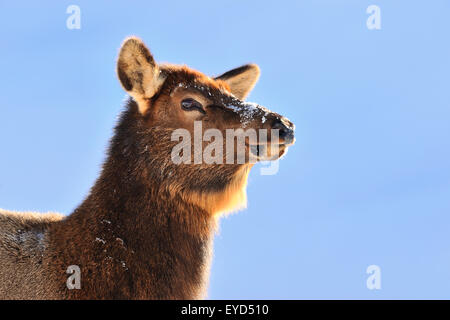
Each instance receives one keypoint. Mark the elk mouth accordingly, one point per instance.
(268, 152)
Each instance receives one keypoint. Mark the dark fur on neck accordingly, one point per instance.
(132, 237)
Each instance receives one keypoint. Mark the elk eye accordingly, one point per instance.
(191, 104)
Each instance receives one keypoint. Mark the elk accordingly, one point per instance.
(145, 230)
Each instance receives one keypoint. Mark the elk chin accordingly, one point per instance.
(231, 197)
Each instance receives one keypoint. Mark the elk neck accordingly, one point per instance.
(130, 222)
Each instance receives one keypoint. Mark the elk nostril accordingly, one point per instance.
(283, 130)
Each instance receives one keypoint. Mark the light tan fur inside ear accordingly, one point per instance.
(241, 80)
(138, 72)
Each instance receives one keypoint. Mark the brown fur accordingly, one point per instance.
(145, 231)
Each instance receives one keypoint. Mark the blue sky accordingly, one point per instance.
(368, 181)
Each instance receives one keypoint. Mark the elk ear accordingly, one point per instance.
(138, 72)
(241, 80)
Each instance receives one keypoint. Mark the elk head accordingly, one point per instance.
(181, 113)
